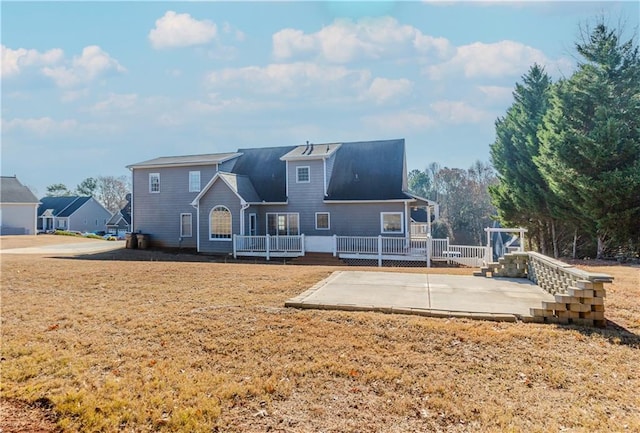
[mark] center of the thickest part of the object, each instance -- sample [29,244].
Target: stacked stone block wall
[579,295]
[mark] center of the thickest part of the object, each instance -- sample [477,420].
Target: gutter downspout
[324,170]
[197,208]
[244,207]
[131,226]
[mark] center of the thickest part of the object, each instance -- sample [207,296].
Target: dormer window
[302,174]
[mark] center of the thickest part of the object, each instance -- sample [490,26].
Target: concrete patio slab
[503,299]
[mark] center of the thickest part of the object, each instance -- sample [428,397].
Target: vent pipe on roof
[311,149]
[304,152]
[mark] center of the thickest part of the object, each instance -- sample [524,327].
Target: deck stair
[317,259]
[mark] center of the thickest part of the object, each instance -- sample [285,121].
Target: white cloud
[294,79]
[181,30]
[458,112]
[91,64]
[383,90]
[499,94]
[504,58]
[13,61]
[116,102]
[403,121]
[344,41]
[39,126]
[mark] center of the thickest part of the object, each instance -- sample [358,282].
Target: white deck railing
[370,247]
[268,246]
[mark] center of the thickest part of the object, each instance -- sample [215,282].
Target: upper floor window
[391,222]
[220,223]
[194,181]
[154,182]
[302,174]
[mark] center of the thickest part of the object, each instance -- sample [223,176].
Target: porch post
[235,239]
[302,243]
[267,243]
[429,242]
[335,245]
[379,251]
[521,240]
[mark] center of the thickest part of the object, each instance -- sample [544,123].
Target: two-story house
[294,198]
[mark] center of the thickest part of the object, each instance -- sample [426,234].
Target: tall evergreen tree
[590,138]
[522,195]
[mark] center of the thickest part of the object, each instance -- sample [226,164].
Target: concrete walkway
[73,248]
[501,299]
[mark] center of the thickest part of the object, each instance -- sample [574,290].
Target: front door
[252,224]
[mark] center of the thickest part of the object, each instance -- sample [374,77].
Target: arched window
[220,223]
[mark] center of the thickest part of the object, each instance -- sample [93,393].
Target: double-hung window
[391,222]
[154,182]
[186,225]
[194,181]
[322,221]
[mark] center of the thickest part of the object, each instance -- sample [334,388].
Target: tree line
[565,163]
[567,153]
[110,191]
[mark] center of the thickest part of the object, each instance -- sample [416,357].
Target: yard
[155,343]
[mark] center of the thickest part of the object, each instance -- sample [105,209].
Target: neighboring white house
[18,208]
[83,214]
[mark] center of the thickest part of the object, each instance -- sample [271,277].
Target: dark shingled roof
[368,170]
[62,206]
[265,170]
[242,186]
[12,191]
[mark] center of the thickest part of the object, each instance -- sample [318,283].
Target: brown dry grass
[178,346]
[8,242]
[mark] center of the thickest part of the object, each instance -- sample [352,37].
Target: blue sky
[90,87]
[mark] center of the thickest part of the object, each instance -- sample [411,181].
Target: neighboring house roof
[371,170]
[117,217]
[61,206]
[12,191]
[206,159]
[266,171]
[311,151]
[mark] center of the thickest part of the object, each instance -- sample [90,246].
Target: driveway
[70,248]
[502,299]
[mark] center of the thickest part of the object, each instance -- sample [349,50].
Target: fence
[380,248]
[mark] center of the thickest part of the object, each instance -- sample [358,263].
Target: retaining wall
[579,295]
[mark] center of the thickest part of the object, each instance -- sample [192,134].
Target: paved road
[504,299]
[73,248]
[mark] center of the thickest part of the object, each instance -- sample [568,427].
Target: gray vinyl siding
[330,163]
[85,217]
[158,214]
[218,195]
[19,219]
[348,219]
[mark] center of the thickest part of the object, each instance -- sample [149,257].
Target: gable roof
[12,191]
[61,206]
[186,160]
[266,171]
[368,170]
[242,186]
[311,151]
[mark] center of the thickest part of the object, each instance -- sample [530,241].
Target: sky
[91,87]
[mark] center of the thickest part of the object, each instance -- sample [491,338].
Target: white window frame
[151,183]
[328,227]
[286,215]
[308,169]
[194,181]
[382,225]
[182,226]
[224,239]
